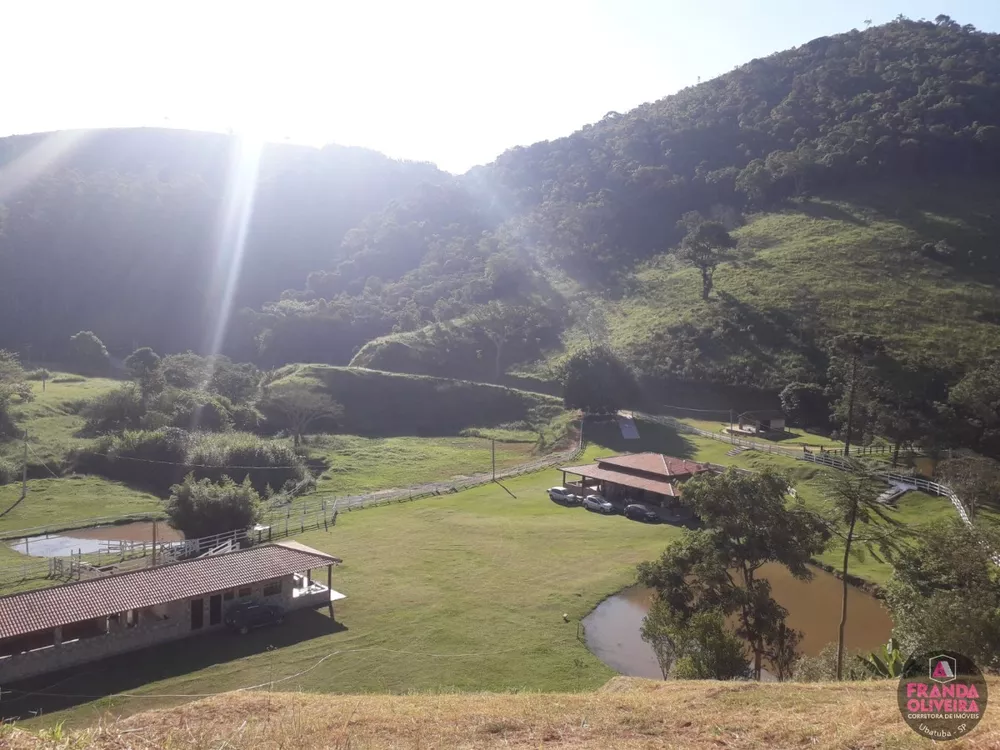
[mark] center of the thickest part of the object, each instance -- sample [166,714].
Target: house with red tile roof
[650,478]
[49,629]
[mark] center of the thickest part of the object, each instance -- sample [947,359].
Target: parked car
[563,495]
[641,512]
[243,617]
[598,503]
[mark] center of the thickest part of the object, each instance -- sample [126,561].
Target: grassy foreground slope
[625,713]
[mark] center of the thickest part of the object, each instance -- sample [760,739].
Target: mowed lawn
[360,464]
[459,592]
[71,501]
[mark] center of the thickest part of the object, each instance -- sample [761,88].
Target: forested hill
[119,230]
[853,157]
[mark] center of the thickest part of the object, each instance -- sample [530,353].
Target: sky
[454,82]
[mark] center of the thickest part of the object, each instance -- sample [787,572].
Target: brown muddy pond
[613,628]
[90,540]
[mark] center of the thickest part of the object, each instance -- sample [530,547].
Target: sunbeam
[38,159]
[231,234]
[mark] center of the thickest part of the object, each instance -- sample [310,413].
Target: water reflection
[813,607]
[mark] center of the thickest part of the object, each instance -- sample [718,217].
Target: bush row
[157,459]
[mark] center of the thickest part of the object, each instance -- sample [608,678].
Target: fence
[279,521]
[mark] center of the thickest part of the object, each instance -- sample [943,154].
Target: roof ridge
[163,566]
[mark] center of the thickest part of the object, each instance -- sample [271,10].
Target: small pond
[94,539]
[613,628]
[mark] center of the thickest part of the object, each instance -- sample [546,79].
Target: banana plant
[886,663]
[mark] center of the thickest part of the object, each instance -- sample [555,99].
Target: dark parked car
[243,617]
[640,512]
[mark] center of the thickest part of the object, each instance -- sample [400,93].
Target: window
[228,596]
[272,588]
[244,592]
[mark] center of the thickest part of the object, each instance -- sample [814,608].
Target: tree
[852,375]
[702,648]
[299,406]
[975,479]
[143,366]
[805,404]
[598,381]
[746,523]
[238,381]
[943,594]
[704,247]
[857,517]
[141,362]
[502,323]
[203,508]
[13,384]
[89,353]
[977,397]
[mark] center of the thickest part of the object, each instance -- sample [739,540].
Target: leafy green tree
[298,406]
[705,246]
[700,648]
[862,523]
[805,404]
[746,523]
[236,381]
[141,362]
[977,397]
[943,594]
[976,480]
[13,384]
[598,381]
[502,323]
[89,353]
[203,508]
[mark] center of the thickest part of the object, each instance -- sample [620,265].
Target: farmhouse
[651,478]
[766,420]
[42,631]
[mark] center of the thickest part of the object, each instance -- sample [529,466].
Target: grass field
[793,437]
[461,592]
[52,419]
[359,464]
[65,503]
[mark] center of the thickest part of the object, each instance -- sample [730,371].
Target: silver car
[598,504]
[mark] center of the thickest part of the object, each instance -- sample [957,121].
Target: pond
[613,628]
[93,539]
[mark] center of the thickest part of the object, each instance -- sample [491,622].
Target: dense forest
[350,255]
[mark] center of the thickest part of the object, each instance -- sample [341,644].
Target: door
[197,613]
[215,610]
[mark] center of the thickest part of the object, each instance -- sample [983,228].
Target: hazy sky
[453,82]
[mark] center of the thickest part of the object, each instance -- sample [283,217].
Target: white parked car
[598,504]
[563,495]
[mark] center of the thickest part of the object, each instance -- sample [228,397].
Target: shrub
[38,374]
[272,463]
[187,370]
[149,458]
[193,410]
[201,507]
[120,409]
[8,472]
[69,379]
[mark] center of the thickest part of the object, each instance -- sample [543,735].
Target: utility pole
[154,544]
[493,446]
[731,426]
[24,468]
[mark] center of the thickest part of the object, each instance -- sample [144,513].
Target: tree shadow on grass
[653,436]
[101,680]
[822,210]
